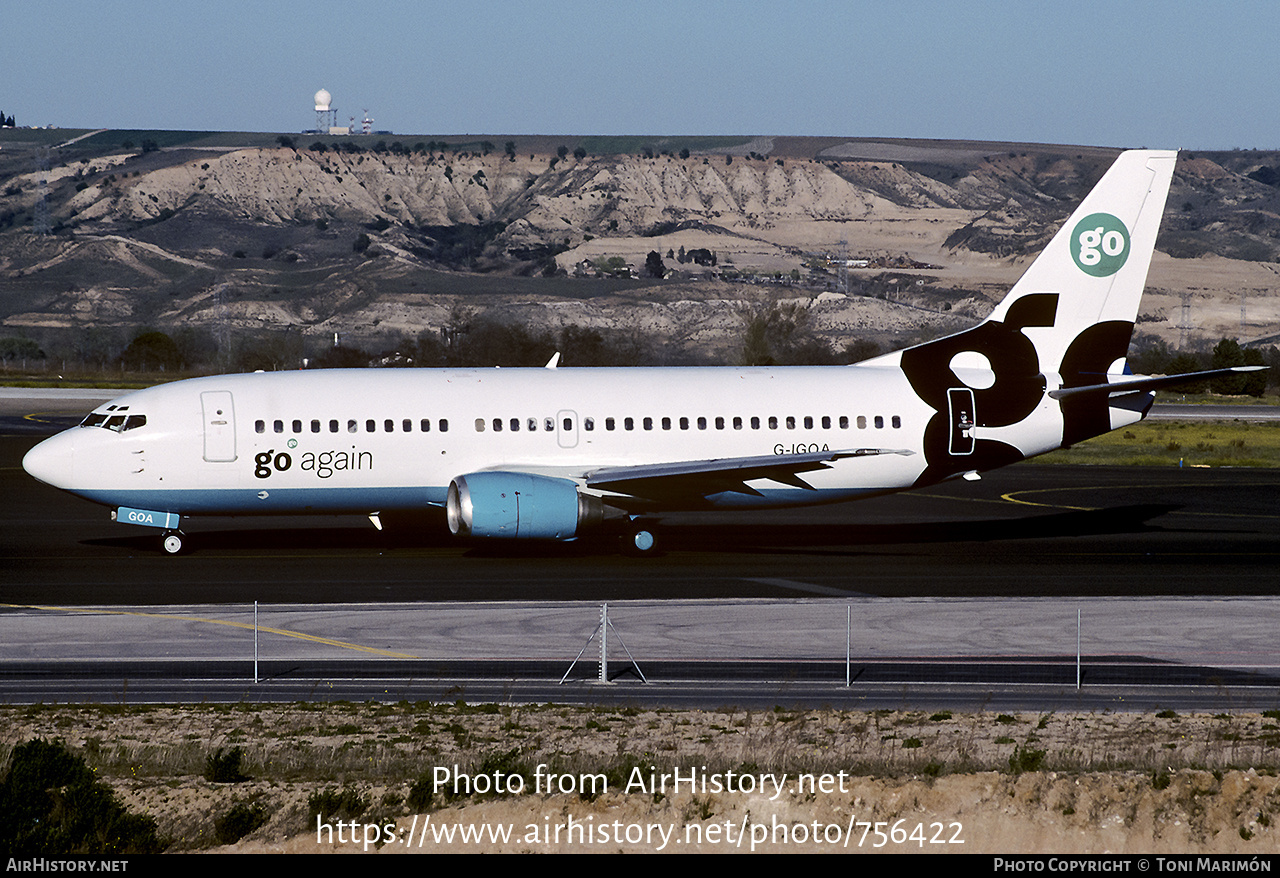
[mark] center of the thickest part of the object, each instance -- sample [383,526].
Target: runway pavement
[1132,653]
[963,591]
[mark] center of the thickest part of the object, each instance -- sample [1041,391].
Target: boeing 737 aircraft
[548,453]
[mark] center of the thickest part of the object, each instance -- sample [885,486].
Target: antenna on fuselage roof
[554,361]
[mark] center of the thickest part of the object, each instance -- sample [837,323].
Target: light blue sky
[1171,74]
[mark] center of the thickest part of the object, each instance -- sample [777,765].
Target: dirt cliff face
[574,198]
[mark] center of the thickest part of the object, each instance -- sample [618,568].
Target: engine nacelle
[519,506]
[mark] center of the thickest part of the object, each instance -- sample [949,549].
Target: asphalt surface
[1026,530]
[951,573]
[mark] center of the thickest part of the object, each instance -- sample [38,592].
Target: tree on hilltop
[653,265]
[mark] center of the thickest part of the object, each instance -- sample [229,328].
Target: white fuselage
[381,439]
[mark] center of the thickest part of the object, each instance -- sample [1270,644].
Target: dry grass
[1173,443]
[155,756]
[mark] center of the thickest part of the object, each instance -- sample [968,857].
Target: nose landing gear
[174,542]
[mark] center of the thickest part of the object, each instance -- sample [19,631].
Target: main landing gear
[640,538]
[174,542]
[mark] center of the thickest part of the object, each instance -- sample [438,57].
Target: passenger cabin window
[879,422]
[333,426]
[259,426]
[297,426]
[608,424]
[425,425]
[315,426]
[278,426]
[896,422]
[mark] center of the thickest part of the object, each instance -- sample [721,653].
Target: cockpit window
[117,423]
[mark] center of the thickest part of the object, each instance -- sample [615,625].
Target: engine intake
[519,506]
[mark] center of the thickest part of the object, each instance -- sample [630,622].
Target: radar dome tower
[326,117]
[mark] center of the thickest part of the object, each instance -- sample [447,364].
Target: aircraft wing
[660,481]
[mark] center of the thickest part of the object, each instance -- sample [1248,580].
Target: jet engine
[519,506]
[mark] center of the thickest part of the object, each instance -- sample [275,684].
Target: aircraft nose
[52,461]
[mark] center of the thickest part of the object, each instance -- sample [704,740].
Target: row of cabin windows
[589,424]
[353,425]
[406,425]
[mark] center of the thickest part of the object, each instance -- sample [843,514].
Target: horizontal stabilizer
[1147,384]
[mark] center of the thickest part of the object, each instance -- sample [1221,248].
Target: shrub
[241,820]
[1026,759]
[50,803]
[421,793]
[331,802]
[225,768]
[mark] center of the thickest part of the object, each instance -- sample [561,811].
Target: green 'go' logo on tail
[1100,244]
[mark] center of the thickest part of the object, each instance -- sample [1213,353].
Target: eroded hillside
[389,240]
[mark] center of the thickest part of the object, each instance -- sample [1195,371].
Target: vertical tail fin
[1096,265]
[1066,323]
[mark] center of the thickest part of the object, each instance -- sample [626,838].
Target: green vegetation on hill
[636,144]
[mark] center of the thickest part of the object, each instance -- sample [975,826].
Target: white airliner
[547,453]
